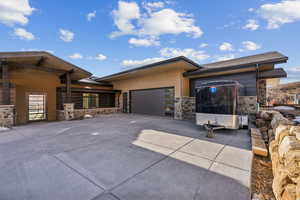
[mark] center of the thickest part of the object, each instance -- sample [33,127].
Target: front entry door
[37,107]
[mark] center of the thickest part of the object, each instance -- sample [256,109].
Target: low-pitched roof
[275,73]
[152,65]
[92,80]
[243,62]
[43,60]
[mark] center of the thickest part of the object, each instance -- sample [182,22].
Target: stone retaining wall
[7,115]
[284,148]
[80,113]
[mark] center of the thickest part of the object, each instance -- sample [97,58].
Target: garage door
[158,101]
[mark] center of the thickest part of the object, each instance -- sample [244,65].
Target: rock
[279,119]
[289,143]
[266,115]
[298,190]
[260,123]
[87,116]
[258,144]
[280,180]
[289,192]
[292,165]
[271,135]
[295,130]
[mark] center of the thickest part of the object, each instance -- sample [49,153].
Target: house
[40,86]
[282,94]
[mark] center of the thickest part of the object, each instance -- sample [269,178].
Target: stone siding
[185,108]
[247,105]
[262,92]
[284,149]
[69,111]
[7,115]
[81,113]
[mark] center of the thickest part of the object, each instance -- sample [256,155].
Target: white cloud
[100,57]
[76,56]
[66,35]
[123,16]
[158,4]
[203,45]
[166,53]
[225,57]
[188,52]
[23,34]
[251,9]
[226,46]
[251,46]
[147,42]
[15,12]
[137,63]
[91,15]
[151,6]
[251,25]
[168,21]
[130,21]
[277,14]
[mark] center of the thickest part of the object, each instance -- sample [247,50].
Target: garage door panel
[150,101]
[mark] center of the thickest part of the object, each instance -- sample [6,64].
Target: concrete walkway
[123,157]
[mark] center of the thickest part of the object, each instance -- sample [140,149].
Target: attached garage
[157,101]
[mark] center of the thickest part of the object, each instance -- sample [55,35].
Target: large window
[87,100]
[90,100]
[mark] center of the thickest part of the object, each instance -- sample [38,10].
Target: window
[86,100]
[90,100]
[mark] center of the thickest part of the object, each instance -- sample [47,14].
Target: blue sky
[108,36]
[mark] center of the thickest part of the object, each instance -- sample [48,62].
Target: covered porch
[35,86]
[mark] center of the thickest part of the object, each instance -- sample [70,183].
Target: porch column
[7,111]
[5,84]
[68,105]
[68,87]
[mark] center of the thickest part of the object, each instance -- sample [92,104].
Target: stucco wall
[171,78]
[33,81]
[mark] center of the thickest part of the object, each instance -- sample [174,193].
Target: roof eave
[248,65]
[176,59]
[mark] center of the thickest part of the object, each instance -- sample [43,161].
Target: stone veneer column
[262,92]
[178,108]
[247,105]
[69,111]
[7,115]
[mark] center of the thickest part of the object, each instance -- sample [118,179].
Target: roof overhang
[275,73]
[165,65]
[240,64]
[44,61]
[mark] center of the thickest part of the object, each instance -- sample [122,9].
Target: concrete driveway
[123,157]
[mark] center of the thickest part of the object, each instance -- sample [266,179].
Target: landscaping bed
[262,178]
